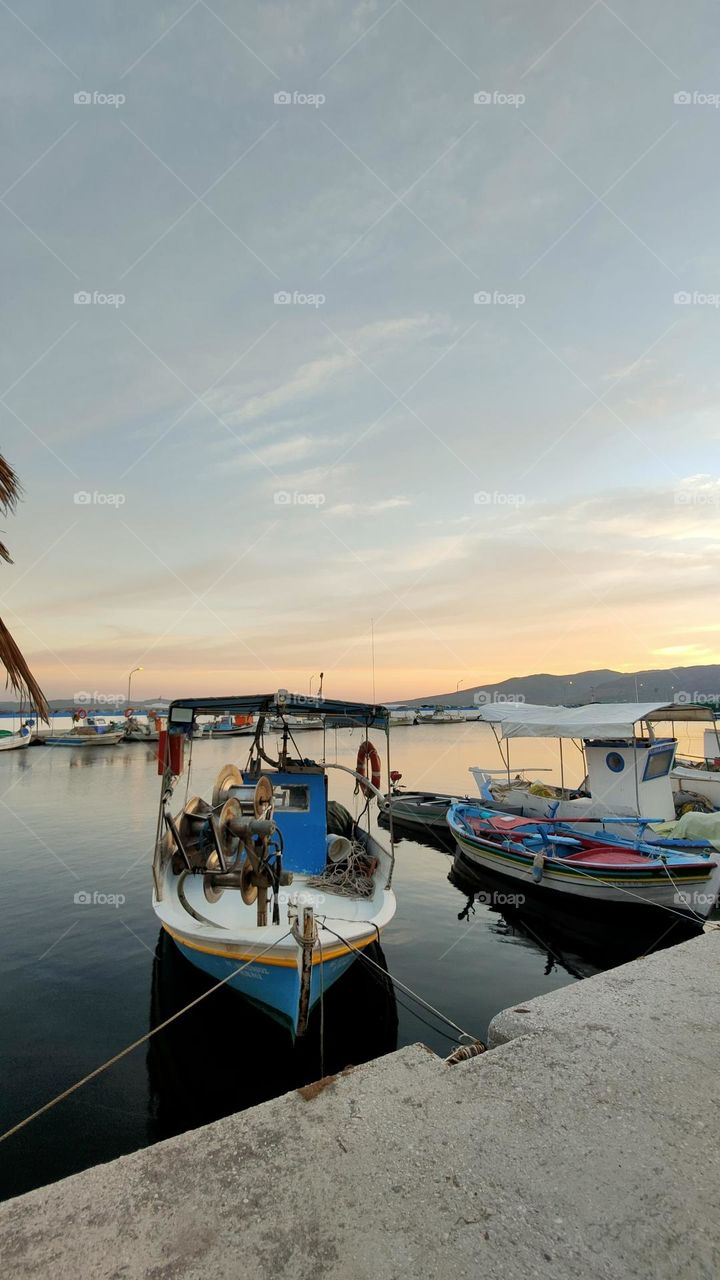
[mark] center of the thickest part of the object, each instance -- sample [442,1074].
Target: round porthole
[614,761]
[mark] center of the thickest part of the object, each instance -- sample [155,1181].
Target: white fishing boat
[10,741]
[90,732]
[701,777]
[308,724]
[402,715]
[445,715]
[628,771]
[267,883]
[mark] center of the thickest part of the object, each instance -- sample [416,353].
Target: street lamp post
[130,676]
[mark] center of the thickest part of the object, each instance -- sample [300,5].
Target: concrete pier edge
[582,1144]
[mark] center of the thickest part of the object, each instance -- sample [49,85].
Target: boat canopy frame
[596,720]
[593,720]
[337,713]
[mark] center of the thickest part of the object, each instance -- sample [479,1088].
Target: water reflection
[225,1055]
[433,837]
[579,937]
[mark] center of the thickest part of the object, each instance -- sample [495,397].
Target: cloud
[283,453]
[368,508]
[315,377]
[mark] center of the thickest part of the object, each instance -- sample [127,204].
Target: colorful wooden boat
[267,884]
[607,868]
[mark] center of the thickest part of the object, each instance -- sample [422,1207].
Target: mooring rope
[136,1043]
[397,983]
[682,896]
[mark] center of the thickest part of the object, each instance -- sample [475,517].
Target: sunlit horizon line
[389,684]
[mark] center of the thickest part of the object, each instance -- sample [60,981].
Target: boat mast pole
[390,814]
[372,650]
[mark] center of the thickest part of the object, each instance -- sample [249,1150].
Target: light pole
[130,676]
[457,686]
[310,684]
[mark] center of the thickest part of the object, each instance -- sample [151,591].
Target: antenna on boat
[372,650]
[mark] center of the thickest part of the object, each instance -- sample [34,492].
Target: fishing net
[351,878]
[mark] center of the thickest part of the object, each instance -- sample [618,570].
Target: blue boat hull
[275,988]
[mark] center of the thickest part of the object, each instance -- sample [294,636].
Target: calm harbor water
[82,979]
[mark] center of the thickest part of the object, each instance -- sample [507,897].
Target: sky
[327,317]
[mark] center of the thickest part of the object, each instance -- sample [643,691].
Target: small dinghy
[422,809]
[15,741]
[608,868]
[267,883]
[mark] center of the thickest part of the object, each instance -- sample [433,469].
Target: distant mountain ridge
[667,684]
[683,684]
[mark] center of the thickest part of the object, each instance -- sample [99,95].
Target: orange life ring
[368,752]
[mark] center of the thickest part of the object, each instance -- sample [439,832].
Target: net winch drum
[254,798]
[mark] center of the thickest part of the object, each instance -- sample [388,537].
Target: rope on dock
[136,1043]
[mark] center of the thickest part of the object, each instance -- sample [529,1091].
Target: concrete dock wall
[583,1145]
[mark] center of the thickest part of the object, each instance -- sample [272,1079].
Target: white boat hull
[223,936]
[85,740]
[16,742]
[704,782]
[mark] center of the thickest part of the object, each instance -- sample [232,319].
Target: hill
[668,684]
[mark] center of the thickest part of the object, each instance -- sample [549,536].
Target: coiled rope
[347,879]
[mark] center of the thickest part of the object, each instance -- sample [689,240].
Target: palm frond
[19,675]
[10,487]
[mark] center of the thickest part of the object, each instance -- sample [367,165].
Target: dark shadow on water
[578,936]
[225,1055]
[416,833]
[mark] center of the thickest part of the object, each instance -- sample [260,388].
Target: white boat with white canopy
[628,770]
